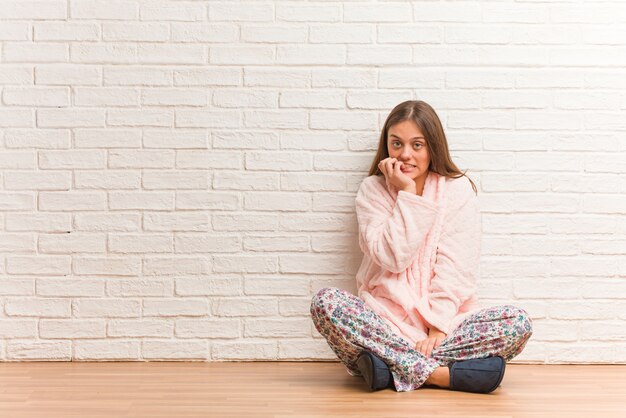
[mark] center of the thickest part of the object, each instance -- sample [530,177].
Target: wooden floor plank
[293,389]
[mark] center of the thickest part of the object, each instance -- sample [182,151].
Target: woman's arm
[457,265]
[391,232]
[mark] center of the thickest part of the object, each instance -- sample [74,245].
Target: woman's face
[407,143]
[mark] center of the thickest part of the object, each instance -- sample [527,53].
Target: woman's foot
[440,377]
[375,371]
[477,375]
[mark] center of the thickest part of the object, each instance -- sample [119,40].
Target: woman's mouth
[407,167]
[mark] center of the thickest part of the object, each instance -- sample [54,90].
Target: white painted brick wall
[178,177]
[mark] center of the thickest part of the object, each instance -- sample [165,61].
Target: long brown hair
[428,122]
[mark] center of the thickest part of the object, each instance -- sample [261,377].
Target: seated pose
[416,320]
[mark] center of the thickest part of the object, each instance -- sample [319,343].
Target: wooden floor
[293,389]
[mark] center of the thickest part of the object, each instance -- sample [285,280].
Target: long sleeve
[390,232]
[457,264]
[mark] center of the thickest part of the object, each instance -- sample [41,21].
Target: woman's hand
[426,346]
[390,167]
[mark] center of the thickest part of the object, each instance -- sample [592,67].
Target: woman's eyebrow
[415,137]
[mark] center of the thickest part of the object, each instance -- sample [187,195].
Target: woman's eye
[395,144]
[417,145]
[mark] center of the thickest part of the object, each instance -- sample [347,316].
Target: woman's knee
[522,319]
[319,300]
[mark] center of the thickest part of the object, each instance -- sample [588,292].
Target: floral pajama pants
[350,326]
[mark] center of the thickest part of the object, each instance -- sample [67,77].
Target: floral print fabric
[350,326]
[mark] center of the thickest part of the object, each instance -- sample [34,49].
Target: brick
[276,243]
[100,9]
[245,98]
[36,96]
[187,349]
[141,200]
[16,74]
[106,350]
[345,77]
[143,117]
[35,52]
[224,285]
[67,75]
[252,55]
[140,243]
[277,285]
[37,138]
[177,180]
[283,119]
[71,328]
[175,307]
[17,287]
[304,350]
[244,350]
[283,327]
[41,264]
[109,222]
[312,182]
[109,179]
[245,222]
[136,76]
[208,118]
[105,307]
[103,53]
[70,287]
[39,350]
[140,328]
[373,55]
[206,243]
[293,78]
[173,12]
[72,243]
[203,32]
[107,96]
[106,266]
[17,118]
[148,32]
[49,31]
[51,308]
[156,266]
[410,78]
[389,12]
[244,140]
[308,12]
[208,159]
[70,118]
[37,180]
[245,264]
[208,328]
[185,221]
[15,31]
[328,120]
[139,287]
[317,222]
[18,328]
[174,139]
[284,161]
[17,201]
[277,201]
[219,76]
[174,97]
[207,200]
[72,200]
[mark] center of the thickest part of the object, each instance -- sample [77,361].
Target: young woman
[416,320]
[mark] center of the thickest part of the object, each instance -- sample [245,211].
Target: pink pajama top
[421,254]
